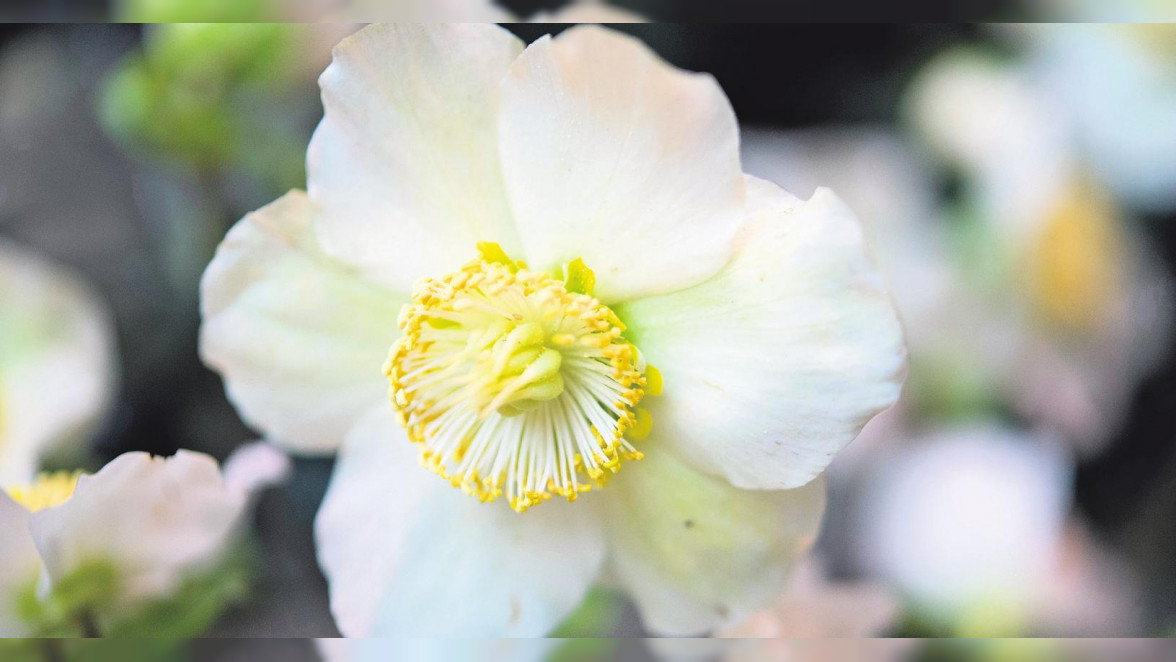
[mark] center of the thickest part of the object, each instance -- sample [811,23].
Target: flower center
[48,490]
[517,382]
[1076,261]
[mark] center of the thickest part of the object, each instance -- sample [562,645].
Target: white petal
[696,553]
[257,466]
[405,161]
[158,520]
[774,365]
[612,155]
[300,339]
[406,555]
[58,365]
[20,563]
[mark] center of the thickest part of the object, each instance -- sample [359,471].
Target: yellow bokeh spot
[1075,264]
[47,491]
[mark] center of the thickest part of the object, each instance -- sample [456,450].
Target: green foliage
[69,609]
[194,607]
[86,603]
[597,616]
[210,97]
[191,11]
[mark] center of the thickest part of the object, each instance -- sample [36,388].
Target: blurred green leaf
[195,606]
[189,11]
[597,616]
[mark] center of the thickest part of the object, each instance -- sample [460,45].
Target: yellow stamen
[517,383]
[48,490]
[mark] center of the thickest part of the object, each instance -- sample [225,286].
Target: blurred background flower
[1017,189]
[58,365]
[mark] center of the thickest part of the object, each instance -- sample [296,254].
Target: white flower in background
[57,363]
[624,236]
[782,649]
[1042,247]
[146,525]
[970,523]
[449,649]
[1117,83]
[815,607]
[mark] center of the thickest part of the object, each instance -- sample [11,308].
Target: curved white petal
[696,553]
[20,564]
[58,365]
[775,364]
[611,155]
[405,162]
[300,339]
[406,555]
[158,520]
[256,466]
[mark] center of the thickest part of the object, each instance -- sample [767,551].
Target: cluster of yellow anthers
[518,382]
[48,490]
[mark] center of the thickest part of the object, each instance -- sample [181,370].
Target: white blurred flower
[153,522]
[815,607]
[617,178]
[57,362]
[1117,84]
[1078,303]
[441,649]
[966,518]
[970,523]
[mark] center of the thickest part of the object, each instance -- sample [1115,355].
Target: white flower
[972,523]
[1117,84]
[1073,295]
[450,649]
[815,607]
[154,522]
[57,362]
[966,522]
[616,178]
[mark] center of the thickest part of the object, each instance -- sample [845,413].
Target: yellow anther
[653,380]
[642,426]
[580,278]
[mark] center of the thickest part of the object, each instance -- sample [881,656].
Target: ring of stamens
[514,384]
